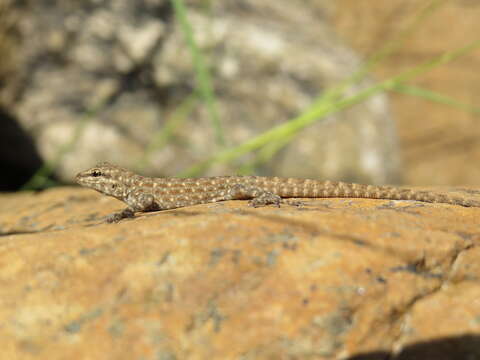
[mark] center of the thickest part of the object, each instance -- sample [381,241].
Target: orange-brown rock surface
[332,279]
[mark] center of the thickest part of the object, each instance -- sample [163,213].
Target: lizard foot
[295,203]
[266,198]
[116,217]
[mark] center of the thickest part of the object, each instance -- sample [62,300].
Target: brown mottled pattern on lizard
[150,194]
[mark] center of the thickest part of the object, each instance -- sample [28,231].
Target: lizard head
[106,178]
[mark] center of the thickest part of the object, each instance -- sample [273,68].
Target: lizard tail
[329,189]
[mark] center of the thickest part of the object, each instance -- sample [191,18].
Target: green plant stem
[202,74]
[322,109]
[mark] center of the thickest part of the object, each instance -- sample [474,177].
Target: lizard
[143,194]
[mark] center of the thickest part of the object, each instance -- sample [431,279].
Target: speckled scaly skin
[151,194]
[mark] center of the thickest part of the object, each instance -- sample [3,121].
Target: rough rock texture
[333,279]
[125,64]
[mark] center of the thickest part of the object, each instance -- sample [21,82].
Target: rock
[331,279]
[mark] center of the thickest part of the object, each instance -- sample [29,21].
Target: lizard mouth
[80,178]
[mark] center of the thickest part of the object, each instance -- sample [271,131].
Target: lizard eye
[96,173]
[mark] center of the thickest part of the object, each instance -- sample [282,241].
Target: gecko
[142,193]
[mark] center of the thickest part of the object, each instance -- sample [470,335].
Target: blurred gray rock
[127,64]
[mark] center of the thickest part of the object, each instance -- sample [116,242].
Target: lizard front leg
[137,202]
